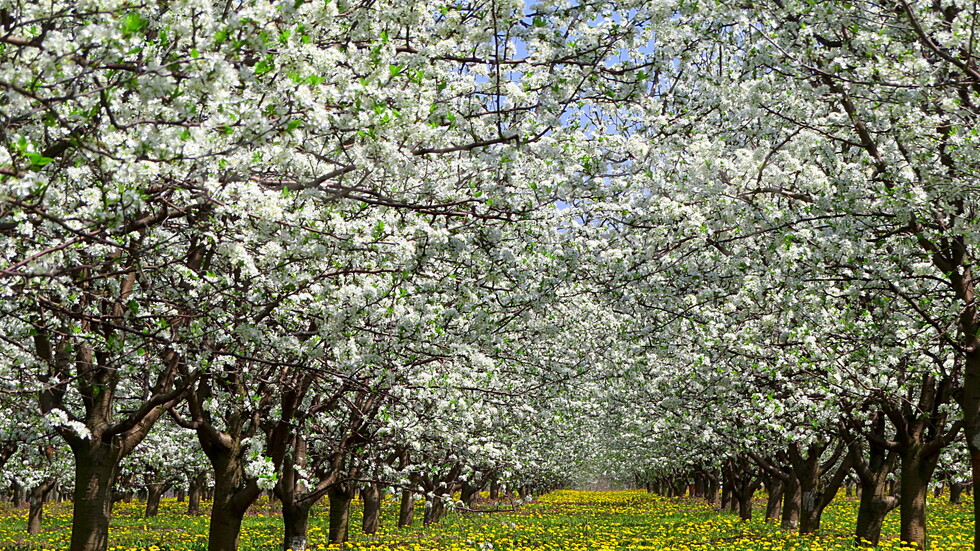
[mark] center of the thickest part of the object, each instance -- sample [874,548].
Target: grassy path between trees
[564,520]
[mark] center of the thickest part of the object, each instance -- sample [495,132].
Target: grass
[564,520]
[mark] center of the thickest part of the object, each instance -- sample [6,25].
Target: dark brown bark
[296,521]
[468,494]
[406,511]
[153,494]
[917,468]
[96,467]
[969,398]
[36,498]
[792,498]
[371,496]
[194,494]
[817,485]
[233,492]
[774,490]
[873,468]
[434,510]
[494,488]
[956,492]
[340,497]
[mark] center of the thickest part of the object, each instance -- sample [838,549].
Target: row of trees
[350,245]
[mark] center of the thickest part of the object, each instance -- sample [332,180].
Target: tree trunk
[36,498]
[434,510]
[915,475]
[468,494]
[96,467]
[875,505]
[406,512]
[340,497]
[712,490]
[774,488]
[727,500]
[956,492]
[20,495]
[153,495]
[873,469]
[494,489]
[233,494]
[816,492]
[969,402]
[296,521]
[792,496]
[371,496]
[194,494]
[745,505]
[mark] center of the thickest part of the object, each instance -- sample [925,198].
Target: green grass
[566,521]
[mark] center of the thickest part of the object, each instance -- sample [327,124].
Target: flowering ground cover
[563,520]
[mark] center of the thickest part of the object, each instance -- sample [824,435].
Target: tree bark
[194,494]
[433,511]
[36,498]
[340,496]
[468,494]
[916,472]
[774,488]
[96,467]
[406,511]
[969,398]
[153,495]
[873,471]
[233,494]
[371,496]
[956,492]
[816,493]
[296,521]
[792,498]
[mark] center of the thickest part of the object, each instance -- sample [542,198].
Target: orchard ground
[562,520]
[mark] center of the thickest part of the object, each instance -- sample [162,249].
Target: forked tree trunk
[340,497]
[406,510]
[873,472]
[371,496]
[816,492]
[233,494]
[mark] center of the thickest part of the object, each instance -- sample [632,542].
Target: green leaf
[132,23]
[395,70]
[38,160]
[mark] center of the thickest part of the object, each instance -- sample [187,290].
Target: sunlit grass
[564,520]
